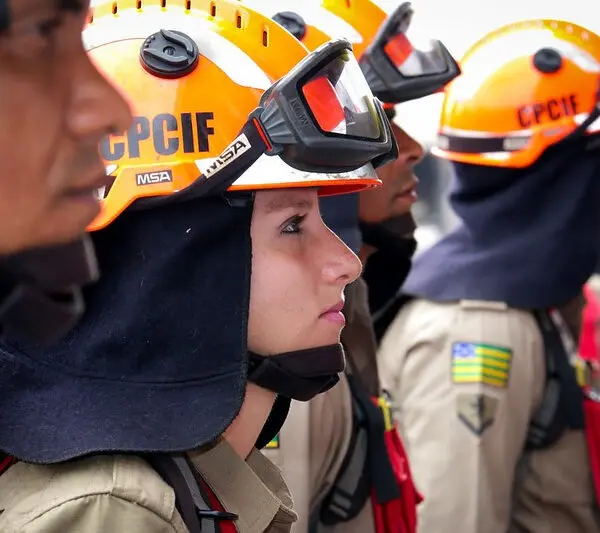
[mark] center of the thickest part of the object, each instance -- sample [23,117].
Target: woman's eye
[294,225]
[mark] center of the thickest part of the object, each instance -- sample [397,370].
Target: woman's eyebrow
[288,201]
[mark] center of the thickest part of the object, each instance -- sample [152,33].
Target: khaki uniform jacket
[123,494]
[466,378]
[315,438]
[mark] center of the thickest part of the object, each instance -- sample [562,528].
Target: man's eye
[46,27]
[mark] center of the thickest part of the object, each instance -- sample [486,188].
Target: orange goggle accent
[398,48]
[324,103]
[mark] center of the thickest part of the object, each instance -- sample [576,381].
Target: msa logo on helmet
[553,109]
[150,178]
[238,147]
[163,134]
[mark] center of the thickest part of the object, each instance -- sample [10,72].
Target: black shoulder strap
[383,318]
[365,468]
[352,485]
[190,497]
[562,405]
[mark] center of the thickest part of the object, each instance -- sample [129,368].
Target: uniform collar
[253,489]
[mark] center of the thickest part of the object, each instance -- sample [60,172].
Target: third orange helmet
[523,88]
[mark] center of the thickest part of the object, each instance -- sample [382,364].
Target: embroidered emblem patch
[476,411]
[274,444]
[481,363]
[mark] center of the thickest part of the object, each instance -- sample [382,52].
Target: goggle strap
[581,130]
[391,26]
[226,168]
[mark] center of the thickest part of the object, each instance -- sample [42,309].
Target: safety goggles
[320,118]
[401,65]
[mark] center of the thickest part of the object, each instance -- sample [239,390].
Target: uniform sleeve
[100,513]
[466,379]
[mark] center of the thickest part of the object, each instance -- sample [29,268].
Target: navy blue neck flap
[158,361]
[527,237]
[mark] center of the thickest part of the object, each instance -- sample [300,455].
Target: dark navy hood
[527,237]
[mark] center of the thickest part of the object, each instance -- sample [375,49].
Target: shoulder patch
[476,411]
[481,363]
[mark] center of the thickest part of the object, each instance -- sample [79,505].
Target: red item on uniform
[588,351]
[6,461]
[225,526]
[591,410]
[399,515]
[588,348]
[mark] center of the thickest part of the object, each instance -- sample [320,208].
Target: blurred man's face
[55,108]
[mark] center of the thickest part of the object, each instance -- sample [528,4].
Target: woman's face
[299,271]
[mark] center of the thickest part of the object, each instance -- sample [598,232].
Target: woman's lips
[334,314]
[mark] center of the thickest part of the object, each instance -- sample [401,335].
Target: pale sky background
[459,23]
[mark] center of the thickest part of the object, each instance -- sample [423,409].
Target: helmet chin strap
[299,375]
[275,422]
